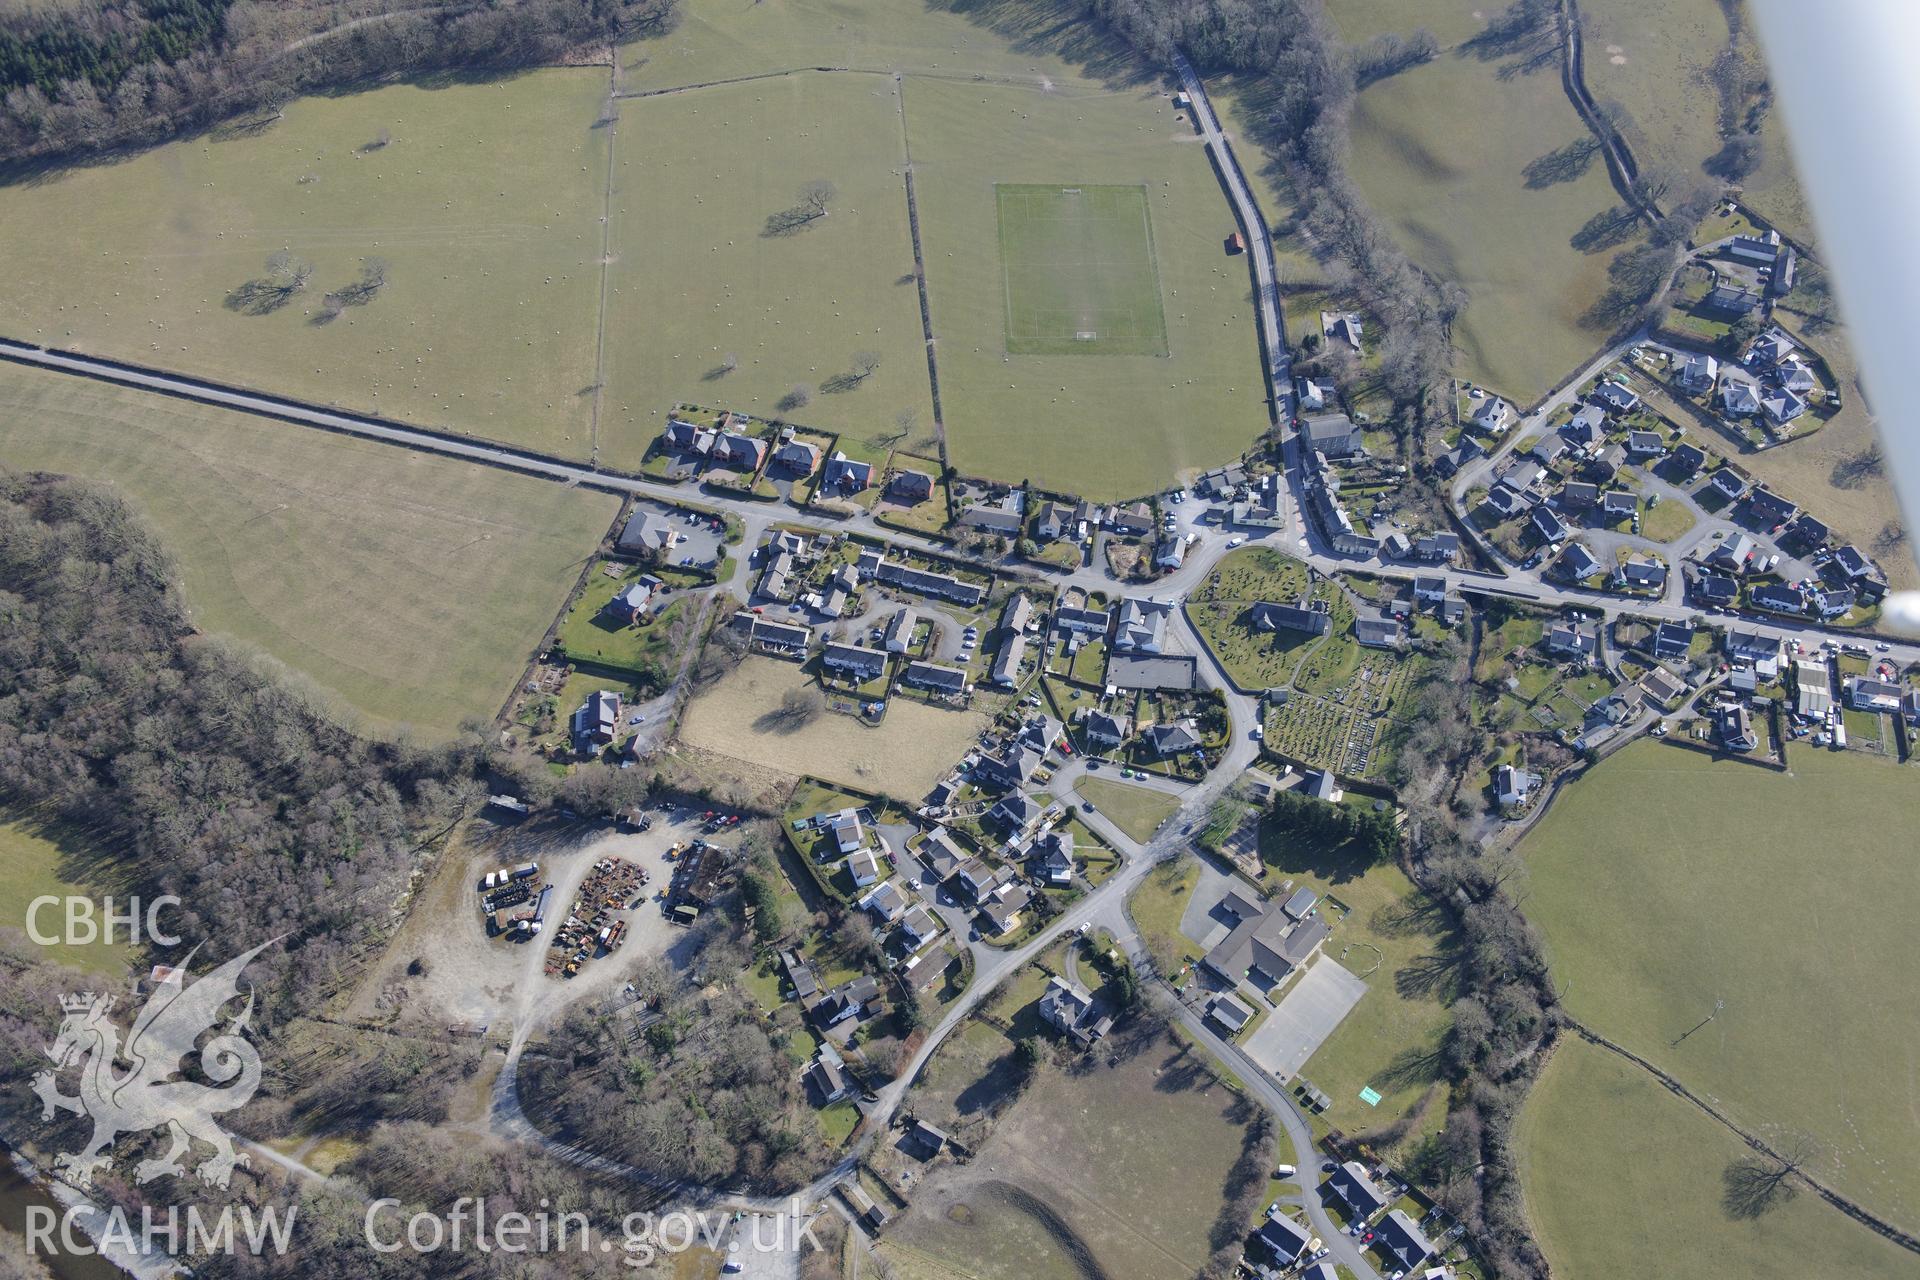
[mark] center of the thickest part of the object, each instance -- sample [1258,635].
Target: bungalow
[1867,694]
[647,533]
[1459,456]
[846,475]
[1513,786]
[1781,406]
[631,601]
[1016,813]
[1522,476]
[779,637]
[856,662]
[1731,298]
[1399,1235]
[1105,729]
[1735,727]
[935,678]
[918,927]
[864,868]
[1342,326]
[1577,563]
[1643,575]
[848,830]
[828,1080]
[1728,483]
[1506,502]
[773,578]
[1571,642]
[806,984]
[1586,426]
[684,437]
[1054,521]
[1642,445]
[1131,522]
[1779,597]
[849,999]
[1618,504]
[1672,641]
[1549,527]
[1006,662]
[1141,625]
[1733,553]
[1332,434]
[1173,738]
[743,453]
[1356,1190]
[899,633]
[1578,495]
[1493,415]
[1436,547]
[910,486]
[886,902]
[1697,373]
[1000,914]
[797,456]
[992,519]
[1796,375]
[1170,552]
[1053,856]
[1086,622]
[1309,617]
[1739,398]
[1615,396]
[1810,532]
[1661,686]
[1550,448]
[1756,250]
[1685,462]
[1377,633]
[1229,1012]
[1282,1236]
[939,854]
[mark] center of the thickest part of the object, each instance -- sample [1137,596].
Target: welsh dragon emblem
[146,1092]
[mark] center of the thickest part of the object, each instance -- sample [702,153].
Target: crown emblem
[77,1004]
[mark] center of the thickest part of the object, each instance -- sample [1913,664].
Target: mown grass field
[1138,811]
[485,204]
[1440,151]
[37,861]
[408,588]
[1623,1178]
[1079,271]
[1109,426]
[696,278]
[1666,881]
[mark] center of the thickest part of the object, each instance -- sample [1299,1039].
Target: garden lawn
[485,204]
[589,636]
[1103,426]
[1439,152]
[696,278]
[407,587]
[1618,1171]
[1138,811]
[1788,897]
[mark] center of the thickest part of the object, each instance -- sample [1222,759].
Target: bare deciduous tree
[815,202]
[1756,1184]
[286,275]
[799,396]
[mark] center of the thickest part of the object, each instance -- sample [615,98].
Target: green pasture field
[1624,1178]
[406,587]
[695,278]
[1451,20]
[1079,271]
[1666,880]
[1036,41]
[1440,153]
[485,205]
[37,861]
[1122,425]
[1651,57]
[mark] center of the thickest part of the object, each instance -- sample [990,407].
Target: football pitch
[1079,271]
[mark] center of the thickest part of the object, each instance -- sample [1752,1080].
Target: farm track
[1622,168]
